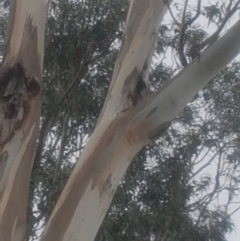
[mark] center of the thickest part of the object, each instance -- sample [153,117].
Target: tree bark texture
[20,104]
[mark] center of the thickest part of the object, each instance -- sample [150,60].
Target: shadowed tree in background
[161,197]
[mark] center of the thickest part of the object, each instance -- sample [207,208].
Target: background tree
[161,196]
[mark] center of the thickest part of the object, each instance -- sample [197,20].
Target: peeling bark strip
[16,90]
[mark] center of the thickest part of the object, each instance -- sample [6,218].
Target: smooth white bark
[144,18]
[25,11]
[19,112]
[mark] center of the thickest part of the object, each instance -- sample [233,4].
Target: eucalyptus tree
[130,119]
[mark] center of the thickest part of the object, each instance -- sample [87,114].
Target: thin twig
[204,166]
[171,13]
[184,12]
[230,214]
[182,33]
[216,187]
[195,50]
[62,146]
[207,152]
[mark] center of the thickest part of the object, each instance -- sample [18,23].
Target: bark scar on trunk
[16,91]
[159,130]
[134,87]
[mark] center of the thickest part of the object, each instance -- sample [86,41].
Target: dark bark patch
[145,66]
[134,87]
[3,162]
[16,91]
[159,130]
[151,112]
[107,184]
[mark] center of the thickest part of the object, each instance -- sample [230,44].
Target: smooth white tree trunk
[20,104]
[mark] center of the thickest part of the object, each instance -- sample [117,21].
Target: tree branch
[182,33]
[62,147]
[195,50]
[171,13]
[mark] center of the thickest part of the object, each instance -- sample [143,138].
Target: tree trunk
[130,120]
[20,102]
